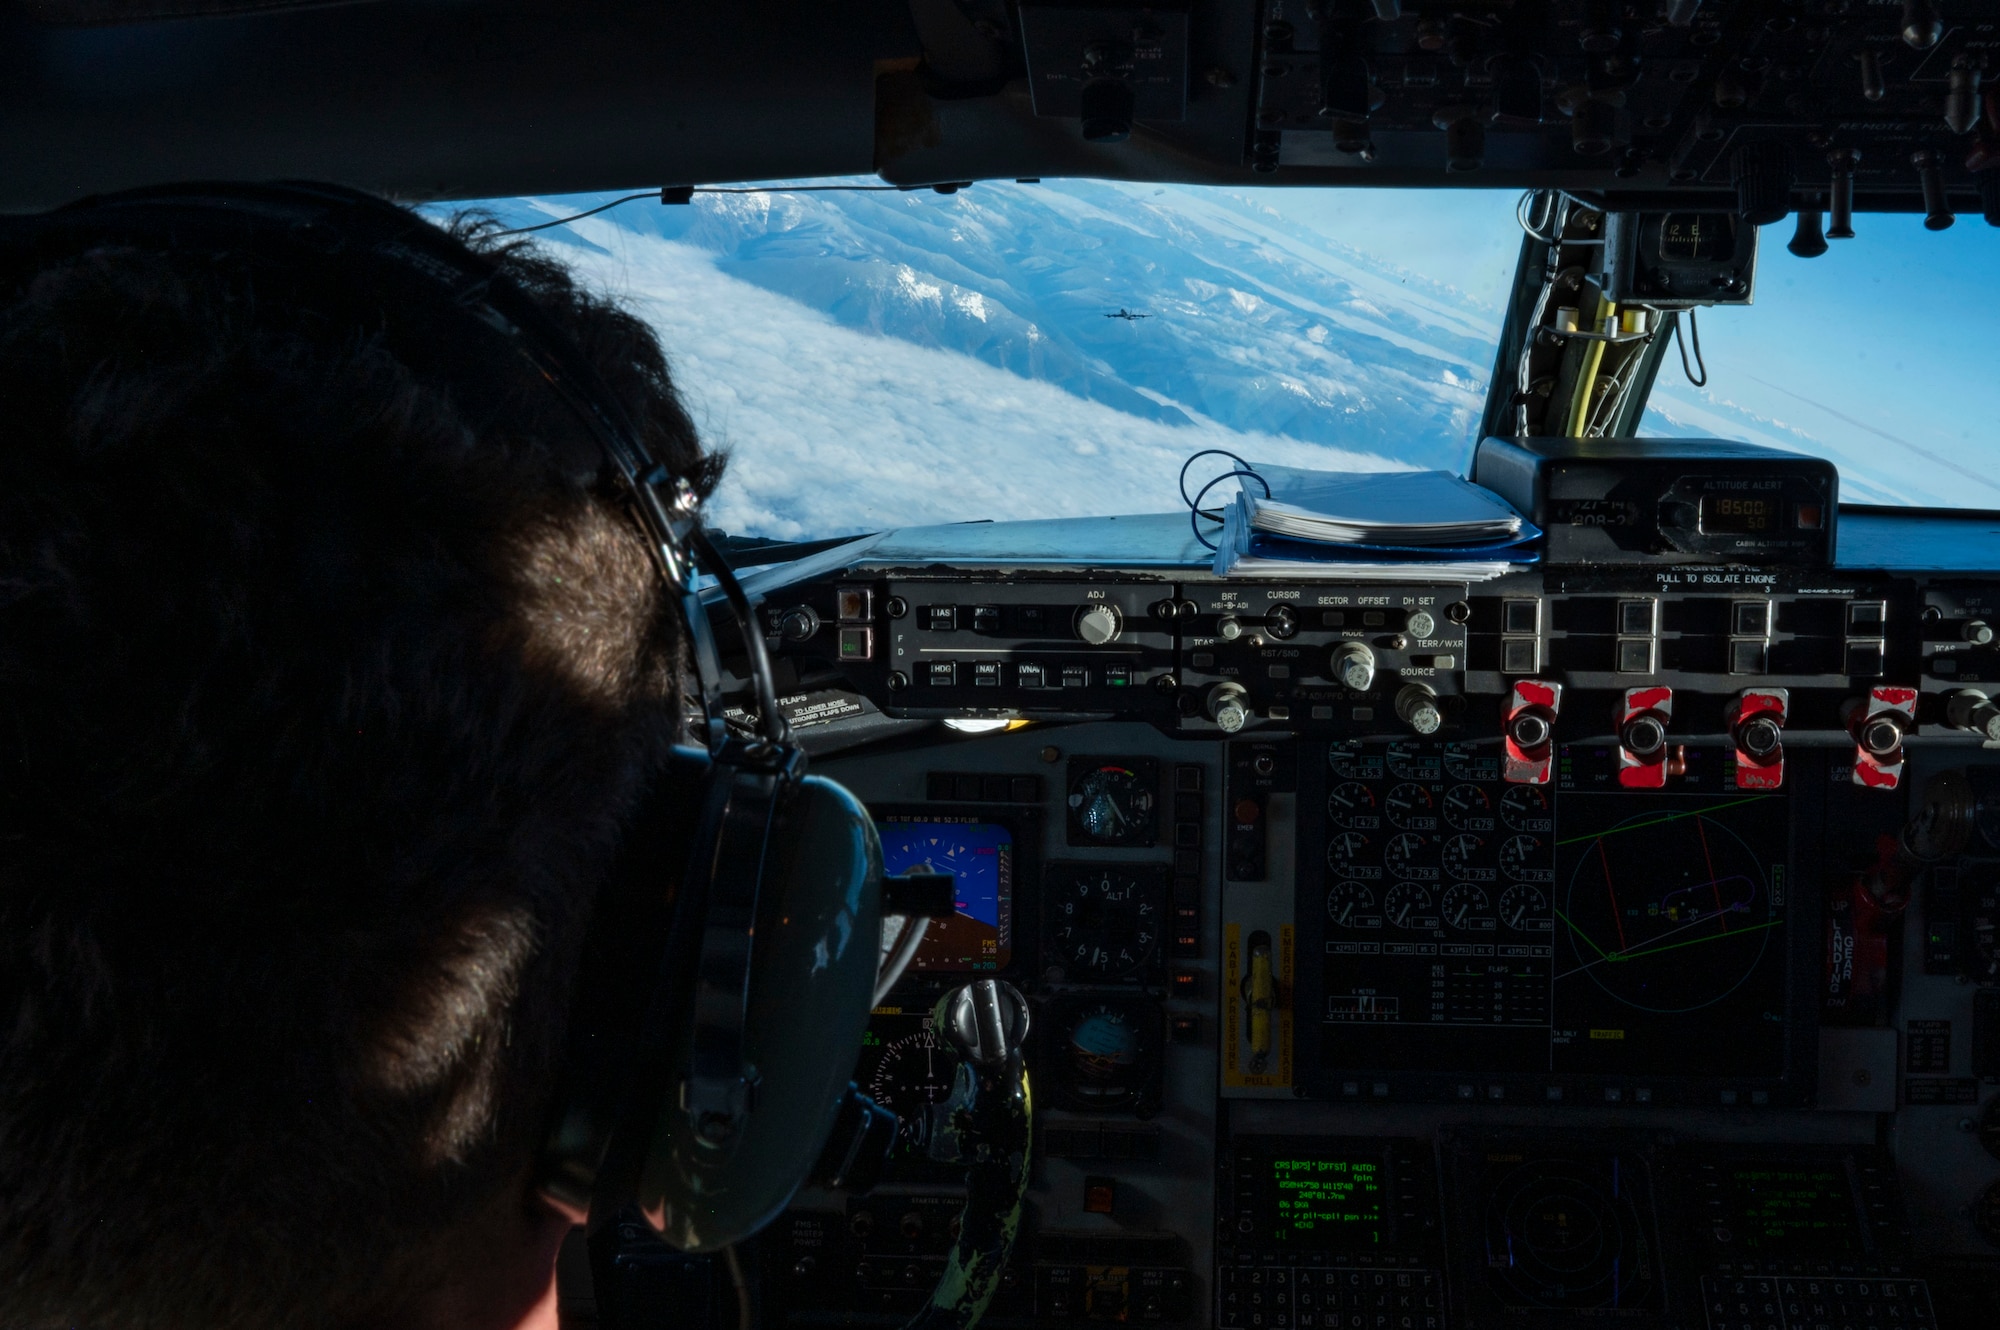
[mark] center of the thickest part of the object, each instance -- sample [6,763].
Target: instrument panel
[1585,947]
[1472,938]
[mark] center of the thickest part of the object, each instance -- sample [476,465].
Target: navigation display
[1602,941]
[980,856]
[1670,954]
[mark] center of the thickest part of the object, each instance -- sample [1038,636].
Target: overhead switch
[1762,174]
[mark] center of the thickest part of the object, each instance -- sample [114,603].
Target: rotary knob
[1970,709]
[1099,624]
[1228,706]
[1417,707]
[1353,666]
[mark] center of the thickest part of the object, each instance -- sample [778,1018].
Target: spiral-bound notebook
[1372,526]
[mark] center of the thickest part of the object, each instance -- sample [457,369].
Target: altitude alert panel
[1466,939]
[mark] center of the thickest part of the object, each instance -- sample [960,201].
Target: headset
[733,958]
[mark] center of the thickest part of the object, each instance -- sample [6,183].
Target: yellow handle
[1263,996]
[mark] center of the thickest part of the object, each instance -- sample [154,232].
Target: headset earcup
[633,950]
[813,972]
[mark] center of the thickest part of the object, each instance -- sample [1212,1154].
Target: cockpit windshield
[873,357]
[1878,355]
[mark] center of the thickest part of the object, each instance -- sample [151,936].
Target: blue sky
[879,359]
[1887,344]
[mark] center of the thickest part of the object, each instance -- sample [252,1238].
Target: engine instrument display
[1590,937]
[980,857]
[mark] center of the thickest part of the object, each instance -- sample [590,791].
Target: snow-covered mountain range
[880,358]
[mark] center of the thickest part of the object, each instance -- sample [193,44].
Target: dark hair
[324,685]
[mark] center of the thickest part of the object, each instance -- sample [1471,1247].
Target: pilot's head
[325,680]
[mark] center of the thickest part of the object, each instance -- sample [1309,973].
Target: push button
[1521,616]
[854,604]
[1751,618]
[1635,655]
[1635,618]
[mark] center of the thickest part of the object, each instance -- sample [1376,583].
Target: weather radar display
[979,856]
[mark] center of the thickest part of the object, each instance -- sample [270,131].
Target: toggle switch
[1757,726]
[1878,726]
[1642,737]
[1961,104]
[1529,731]
[1930,175]
[1873,87]
[1922,24]
[1808,240]
[1840,199]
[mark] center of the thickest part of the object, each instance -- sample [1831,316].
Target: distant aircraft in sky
[1126,315]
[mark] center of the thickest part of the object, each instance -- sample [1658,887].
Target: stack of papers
[1372,526]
